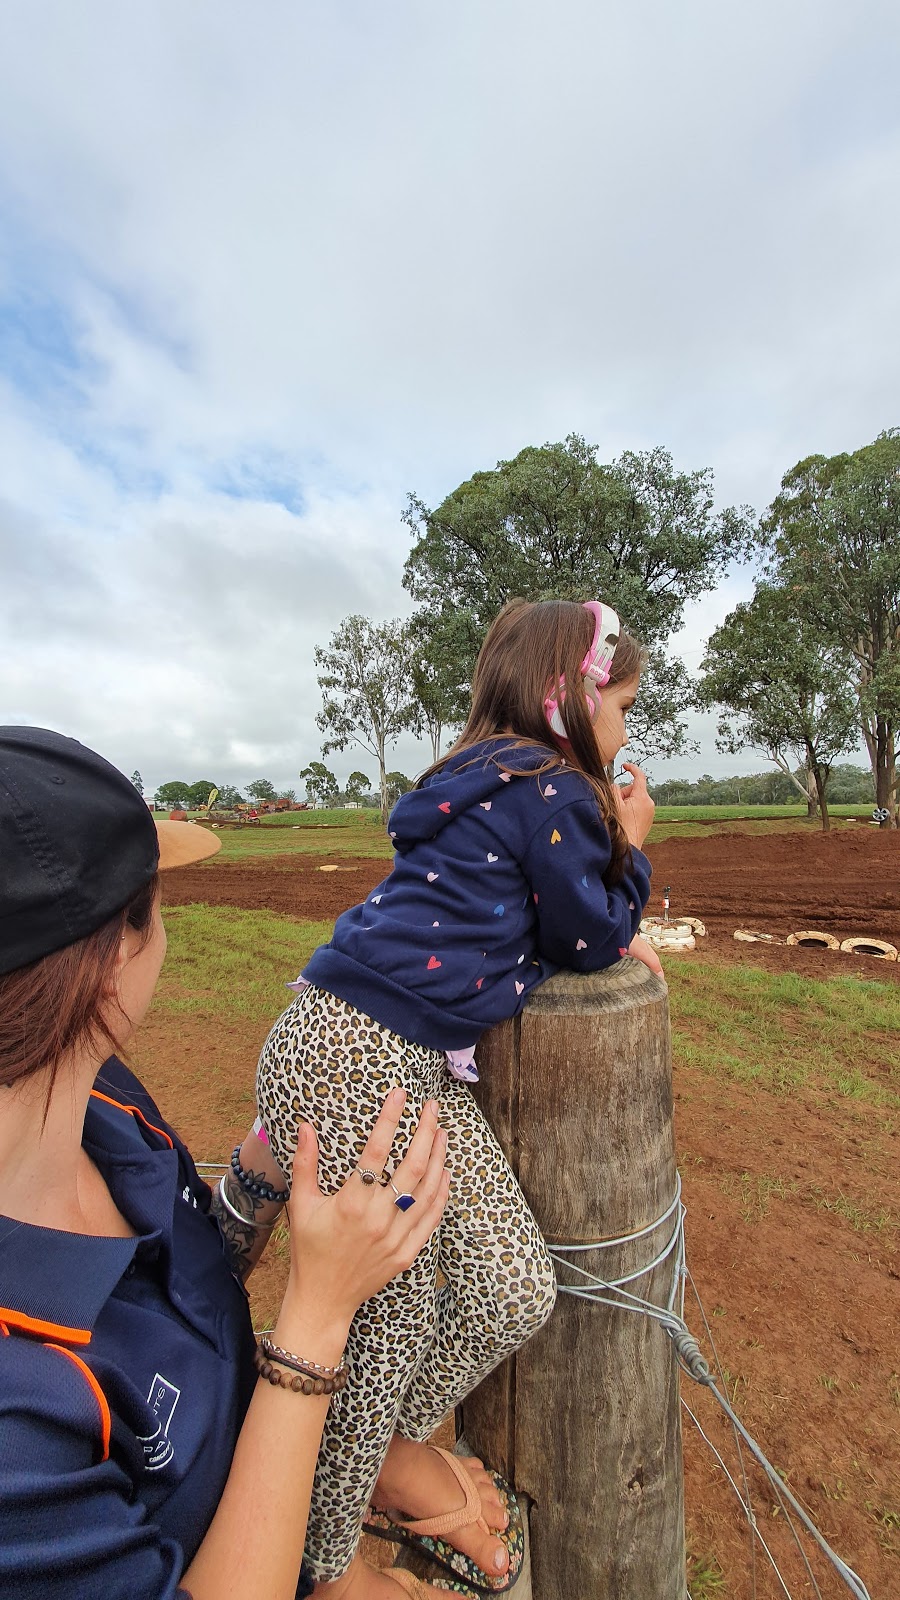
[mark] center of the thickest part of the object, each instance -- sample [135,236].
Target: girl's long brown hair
[529,647]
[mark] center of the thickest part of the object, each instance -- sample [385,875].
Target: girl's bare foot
[415,1482]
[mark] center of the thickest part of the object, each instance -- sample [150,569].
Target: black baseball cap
[77,843]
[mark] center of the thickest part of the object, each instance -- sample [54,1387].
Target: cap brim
[180,843]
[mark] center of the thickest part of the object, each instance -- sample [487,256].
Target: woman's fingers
[377,1147]
[422,1220]
[305,1174]
[410,1171]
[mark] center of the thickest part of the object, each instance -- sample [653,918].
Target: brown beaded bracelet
[299,1381]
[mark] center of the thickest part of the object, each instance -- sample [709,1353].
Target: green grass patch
[785,1030]
[862,810]
[234,963]
[354,838]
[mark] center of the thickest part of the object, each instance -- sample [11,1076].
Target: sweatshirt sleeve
[70,1526]
[582,924]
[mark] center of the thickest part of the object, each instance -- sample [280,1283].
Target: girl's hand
[635,806]
[346,1247]
[641,950]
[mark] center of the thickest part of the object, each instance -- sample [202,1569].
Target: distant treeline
[847,785]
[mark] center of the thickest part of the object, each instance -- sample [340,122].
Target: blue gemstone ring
[403,1201]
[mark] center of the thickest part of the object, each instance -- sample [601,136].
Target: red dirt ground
[845,883]
[798,1276]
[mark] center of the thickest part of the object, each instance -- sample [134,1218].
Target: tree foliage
[321,784]
[847,784]
[175,793]
[229,797]
[138,781]
[832,538]
[397,783]
[439,647]
[261,789]
[356,786]
[365,682]
[556,523]
[199,792]
[781,689]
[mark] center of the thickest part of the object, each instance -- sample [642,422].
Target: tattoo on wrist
[244,1235]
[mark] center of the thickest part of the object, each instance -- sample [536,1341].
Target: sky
[265,270]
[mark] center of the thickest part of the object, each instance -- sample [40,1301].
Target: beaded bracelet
[256,1186]
[299,1382]
[275,1353]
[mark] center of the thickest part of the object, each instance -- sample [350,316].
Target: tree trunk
[885,771]
[382,786]
[811,787]
[821,782]
[585,1419]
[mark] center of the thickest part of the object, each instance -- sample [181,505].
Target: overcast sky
[265,269]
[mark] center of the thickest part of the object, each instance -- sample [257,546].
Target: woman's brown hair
[529,647]
[59,1003]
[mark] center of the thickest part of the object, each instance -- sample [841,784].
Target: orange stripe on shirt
[99,1396]
[19,1319]
[136,1112]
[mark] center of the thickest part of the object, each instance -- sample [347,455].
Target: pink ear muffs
[594,669]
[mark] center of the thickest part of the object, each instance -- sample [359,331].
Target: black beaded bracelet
[256,1186]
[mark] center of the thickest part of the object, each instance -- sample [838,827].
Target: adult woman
[138,1454]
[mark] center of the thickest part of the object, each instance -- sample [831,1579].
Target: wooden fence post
[585,1419]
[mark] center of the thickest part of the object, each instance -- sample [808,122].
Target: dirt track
[846,883]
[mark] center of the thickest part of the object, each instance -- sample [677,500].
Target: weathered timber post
[585,1419]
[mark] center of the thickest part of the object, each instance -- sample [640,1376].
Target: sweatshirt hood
[466,780]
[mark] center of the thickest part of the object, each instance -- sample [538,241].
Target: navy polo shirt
[126,1367]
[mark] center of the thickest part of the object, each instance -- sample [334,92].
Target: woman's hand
[640,949]
[634,804]
[346,1247]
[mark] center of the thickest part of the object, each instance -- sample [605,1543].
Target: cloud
[261,281]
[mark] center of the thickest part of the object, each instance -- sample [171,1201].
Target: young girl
[515,856]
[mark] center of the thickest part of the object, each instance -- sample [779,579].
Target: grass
[356,837]
[233,962]
[796,813]
[781,1031]
[705,1578]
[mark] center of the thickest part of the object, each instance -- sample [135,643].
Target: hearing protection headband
[594,669]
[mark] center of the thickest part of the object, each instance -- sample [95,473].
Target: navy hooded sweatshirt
[498,882]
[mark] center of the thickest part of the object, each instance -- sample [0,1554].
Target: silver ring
[403,1201]
[369,1177]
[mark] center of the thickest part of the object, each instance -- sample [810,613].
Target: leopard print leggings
[414,1350]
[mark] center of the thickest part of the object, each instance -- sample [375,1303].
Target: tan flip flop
[419,1591]
[426,1534]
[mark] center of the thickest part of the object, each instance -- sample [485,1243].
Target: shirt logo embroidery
[162,1400]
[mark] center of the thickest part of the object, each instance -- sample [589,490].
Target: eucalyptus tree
[321,784]
[780,689]
[555,522]
[356,786]
[441,645]
[365,682]
[832,537]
